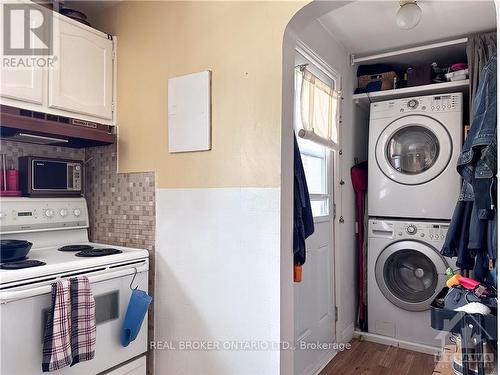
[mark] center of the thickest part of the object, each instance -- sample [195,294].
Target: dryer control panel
[400,229]
[421,104]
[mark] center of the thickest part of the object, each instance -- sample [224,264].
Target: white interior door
[314,310]
[82,80]
[314,303]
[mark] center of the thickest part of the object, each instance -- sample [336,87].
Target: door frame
[332,164]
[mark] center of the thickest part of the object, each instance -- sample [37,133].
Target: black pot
[11,250]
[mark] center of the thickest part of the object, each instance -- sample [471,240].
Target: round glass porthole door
[413,150]
[409,274]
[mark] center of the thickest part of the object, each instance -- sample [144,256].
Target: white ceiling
[370,26]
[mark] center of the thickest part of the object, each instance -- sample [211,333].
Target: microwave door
[49,176]
[23,313]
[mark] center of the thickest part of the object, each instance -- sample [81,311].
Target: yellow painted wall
[241,43]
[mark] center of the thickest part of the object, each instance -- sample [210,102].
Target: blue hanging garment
[136,311]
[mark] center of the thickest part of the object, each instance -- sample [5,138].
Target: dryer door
[410,274]
[413,150]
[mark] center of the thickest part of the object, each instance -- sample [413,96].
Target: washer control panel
[443,103]
[28,214]
[399,229]
[420,104]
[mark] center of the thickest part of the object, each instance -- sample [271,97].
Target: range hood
[36,127]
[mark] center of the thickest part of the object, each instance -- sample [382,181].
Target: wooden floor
[368,358]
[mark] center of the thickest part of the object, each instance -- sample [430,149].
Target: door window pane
[314,169]
[320,207]
[413,150]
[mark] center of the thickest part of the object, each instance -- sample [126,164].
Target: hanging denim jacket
[478,160]
[471,222]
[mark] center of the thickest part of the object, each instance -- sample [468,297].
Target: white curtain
[319,105]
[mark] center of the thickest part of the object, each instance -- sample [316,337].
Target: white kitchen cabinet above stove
[80,84]
[82,81]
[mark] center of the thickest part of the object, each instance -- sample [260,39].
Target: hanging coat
[470,233]
[303,223]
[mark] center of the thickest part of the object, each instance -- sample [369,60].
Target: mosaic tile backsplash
[122,210]
[121,205]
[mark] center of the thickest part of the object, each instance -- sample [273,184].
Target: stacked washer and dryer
[412,191]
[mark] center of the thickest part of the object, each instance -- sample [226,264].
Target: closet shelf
[365,99]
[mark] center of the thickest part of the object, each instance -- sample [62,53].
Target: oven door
[24,310]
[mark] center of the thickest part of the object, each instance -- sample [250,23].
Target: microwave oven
[49,177]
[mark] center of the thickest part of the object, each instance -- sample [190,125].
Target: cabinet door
[20,83]
[82,80]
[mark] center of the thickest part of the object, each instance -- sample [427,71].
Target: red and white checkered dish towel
[57,338]
[70,333]
[83,331]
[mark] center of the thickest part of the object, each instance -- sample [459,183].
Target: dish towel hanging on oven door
[70,332]
[57,338]
[83,330]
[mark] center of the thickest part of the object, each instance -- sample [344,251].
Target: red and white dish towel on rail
[70,333]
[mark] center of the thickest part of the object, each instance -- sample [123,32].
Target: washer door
[410,274]
[413,150]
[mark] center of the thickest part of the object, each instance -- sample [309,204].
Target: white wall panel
[218,278]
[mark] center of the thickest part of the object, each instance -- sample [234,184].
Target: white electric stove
[51,224]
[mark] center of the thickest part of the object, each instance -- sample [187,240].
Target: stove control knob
[2,215]
[77,212]
[412,229]
[49,213]
[63,212]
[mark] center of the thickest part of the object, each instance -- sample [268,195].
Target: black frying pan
[11,250]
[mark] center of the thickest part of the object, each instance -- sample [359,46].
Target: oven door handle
[10,296]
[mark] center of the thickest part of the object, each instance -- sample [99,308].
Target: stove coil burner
[98,252]
[19,264]
[75,248]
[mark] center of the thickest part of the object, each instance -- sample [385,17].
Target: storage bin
[386,79]
[421,75]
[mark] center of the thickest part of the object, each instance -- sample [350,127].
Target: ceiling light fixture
[408,15]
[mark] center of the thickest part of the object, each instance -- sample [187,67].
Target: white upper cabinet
[20,83]
[82,79]
[78,83]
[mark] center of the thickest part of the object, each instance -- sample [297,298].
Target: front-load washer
[405,273]
[414,144]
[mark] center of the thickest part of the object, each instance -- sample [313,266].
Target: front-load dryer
[405,273]
[414,144]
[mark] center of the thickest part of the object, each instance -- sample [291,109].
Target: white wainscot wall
[218,278]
